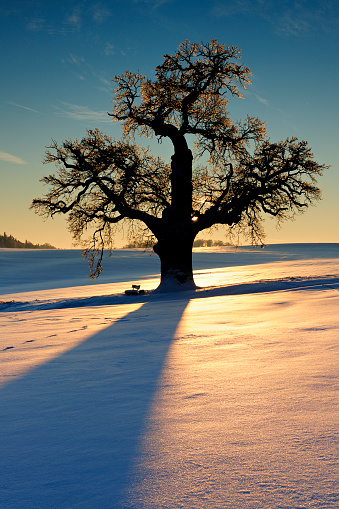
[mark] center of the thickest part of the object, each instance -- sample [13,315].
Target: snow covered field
[223,398]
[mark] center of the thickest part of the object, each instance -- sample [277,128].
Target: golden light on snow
[221,398]
[235,393]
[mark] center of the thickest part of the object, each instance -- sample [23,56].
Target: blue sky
[58,60]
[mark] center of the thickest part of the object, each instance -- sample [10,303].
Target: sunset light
[169,255]
[81,54]
[204,398]
[232,395]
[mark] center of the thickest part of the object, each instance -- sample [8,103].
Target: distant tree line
[140,243]
[210,243]
[10,242]
[148,243]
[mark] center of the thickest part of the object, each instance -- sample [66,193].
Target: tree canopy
[232,175]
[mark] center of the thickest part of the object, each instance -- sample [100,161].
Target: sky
[59,59]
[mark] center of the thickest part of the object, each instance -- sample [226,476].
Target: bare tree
[231,176]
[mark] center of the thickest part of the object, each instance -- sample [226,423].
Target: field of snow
[222,398]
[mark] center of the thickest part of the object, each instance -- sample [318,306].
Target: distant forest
[10,242]
[210,243]
[197,243]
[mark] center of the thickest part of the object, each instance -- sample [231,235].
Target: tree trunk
[175,234]
[175,253]
[175,240]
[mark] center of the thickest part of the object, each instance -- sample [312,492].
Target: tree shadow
[70,426]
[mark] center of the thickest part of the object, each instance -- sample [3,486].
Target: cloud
[23,107]
[9,158]
[109,49]
[74,59]
[79,62]
[291,18]
[292,24]
[76,112]
[153,4]
[106,84]
[300,18]
[36,25]
[40,24]
[100,14]
[74,20]
[222,9]
[262,100]
[70,23]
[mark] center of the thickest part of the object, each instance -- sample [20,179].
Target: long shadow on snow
[70,426]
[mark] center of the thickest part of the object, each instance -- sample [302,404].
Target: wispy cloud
[69,23]
[74,59]
[287,18]
[301,18]
[106,84]
[223,9]
[37,24]
[262,100]
[109,49]
[292,23]
[77,112]
[100,14]
[152,4]
[41,24]
[83,68]
[9,158]
[23,107]
[73,19]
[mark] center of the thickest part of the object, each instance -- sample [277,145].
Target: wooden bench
[135,290]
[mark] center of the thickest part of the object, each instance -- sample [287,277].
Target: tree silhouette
[231,176]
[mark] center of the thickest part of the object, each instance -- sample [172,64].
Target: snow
[224,397]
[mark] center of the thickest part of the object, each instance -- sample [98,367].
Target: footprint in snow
[76,330]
